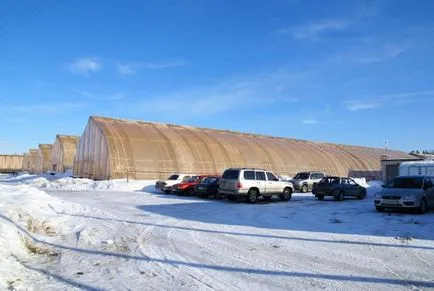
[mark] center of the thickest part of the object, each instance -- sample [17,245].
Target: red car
[187,187]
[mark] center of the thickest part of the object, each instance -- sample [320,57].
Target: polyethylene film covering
[32,161]
[63,153]
[11,163]
[114,148]
[43,160]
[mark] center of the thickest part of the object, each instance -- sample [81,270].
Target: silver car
[409,192]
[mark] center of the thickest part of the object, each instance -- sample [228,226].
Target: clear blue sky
[352,72]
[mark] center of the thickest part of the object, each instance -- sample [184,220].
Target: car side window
[185,178]
[344,181]
[249,175]
[260,176]
[312,176]
[271,177]
[320,176]
[352,182]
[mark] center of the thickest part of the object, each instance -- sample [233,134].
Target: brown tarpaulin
[63,153]
[11,163]
[43,160]
[113,148]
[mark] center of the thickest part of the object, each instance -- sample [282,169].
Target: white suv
[252,184]
[166,185]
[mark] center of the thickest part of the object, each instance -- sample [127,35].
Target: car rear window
[173,177]
[231,174]
[302,176]
[211,180]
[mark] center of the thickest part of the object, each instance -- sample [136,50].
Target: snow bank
[79,184]
[26,214]
[64,182]
[374,187]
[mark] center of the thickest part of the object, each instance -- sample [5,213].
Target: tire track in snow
[389,269]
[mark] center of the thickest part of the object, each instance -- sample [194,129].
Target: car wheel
[267,198]
[166,191]
[252,196]
[361,195]
[232,197]
[304,189]
[422,207]
[218,196]
[286,195]
[320,197]
[341,196]
[190,192]
[379,208]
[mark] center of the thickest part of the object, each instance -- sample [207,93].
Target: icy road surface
[133,240]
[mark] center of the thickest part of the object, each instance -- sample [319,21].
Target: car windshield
[302,176]
[405,183]
[173,177]
[209,180]
[231,174]
[192,179]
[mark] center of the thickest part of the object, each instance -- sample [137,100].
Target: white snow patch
[64,182]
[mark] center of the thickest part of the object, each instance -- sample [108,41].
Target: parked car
[304,181]
[253,183]
[209,186]
[410,192]
[187,187]
[165,185]
[339,188]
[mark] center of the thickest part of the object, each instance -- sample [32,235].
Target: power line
[24,18]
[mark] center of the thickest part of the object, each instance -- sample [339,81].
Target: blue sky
[351,71]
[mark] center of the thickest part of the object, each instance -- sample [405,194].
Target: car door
[429,191]
[272,184]
[353,188]
[261,181]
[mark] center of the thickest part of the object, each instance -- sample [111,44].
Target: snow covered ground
[64,233]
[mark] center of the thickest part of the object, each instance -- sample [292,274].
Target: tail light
[239,185]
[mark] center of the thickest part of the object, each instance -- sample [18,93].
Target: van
[416,168]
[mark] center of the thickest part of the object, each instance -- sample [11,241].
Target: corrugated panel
[11,163]
[146,150]
[63,153]
[43,160]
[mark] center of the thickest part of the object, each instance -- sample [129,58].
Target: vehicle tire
[252,196]
[361,195]
[304,188]
[422,207]
[267,198]
[166,191]
[218,196]
[320,197]
[190,192]
[286,195]
[379,208]
[232,198]
[341,196]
